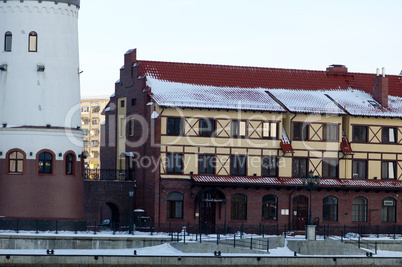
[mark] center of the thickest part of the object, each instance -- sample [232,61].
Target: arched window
[69,161]
[269,207]
[15,162]
[33,42]
[330,209]
[45,162]
[388,210]
[175,205]
[239,207]
[359,209]
[8,40]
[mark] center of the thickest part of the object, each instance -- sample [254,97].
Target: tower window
[8,41]
[33,42]
[15,162]
[45,163]
[70,164]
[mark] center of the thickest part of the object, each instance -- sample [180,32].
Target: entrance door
[209,200]
[300,212]
[208,217]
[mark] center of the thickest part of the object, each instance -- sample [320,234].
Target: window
[95,122]
[270,130]
[269,207]
[95,109]
[122,127]
[359,134]
[95,154]
[330,168]
[206,164]
[33,42]
[388,170]
[238,129]
[86,132]
[331,132]
[330,209]
[45,162]
[300,131]
[239,207]
[269,167]
[70,164]
[175,126]
[15,162]
[122,103]
[359,209]
[85,109]
[238,165]
[388,210]
[8,38]
[131,125]
[299,167]
[95,143]
[134,101]
[207,127]
[359,169]
[388,135]
[175,205]
[86,121]
[174,163]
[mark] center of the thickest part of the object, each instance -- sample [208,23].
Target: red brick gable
[254,77]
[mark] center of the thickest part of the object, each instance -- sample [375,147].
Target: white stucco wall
[36,99]
[29,97]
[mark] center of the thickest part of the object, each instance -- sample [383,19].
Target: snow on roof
[257,77]
[306,101]
[348,183]
[359,103]
[267,89]
[173,94]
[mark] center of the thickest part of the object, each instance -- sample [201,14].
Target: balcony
[109,174]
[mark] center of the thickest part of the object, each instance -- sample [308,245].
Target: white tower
[40,135]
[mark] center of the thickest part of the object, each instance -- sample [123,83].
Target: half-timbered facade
[219,145]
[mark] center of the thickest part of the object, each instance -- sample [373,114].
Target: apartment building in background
[91,120]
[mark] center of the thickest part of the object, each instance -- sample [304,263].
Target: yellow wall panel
[374,169]
[389,156]
[374,156]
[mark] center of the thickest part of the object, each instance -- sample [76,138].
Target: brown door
[208,217]
[300,212]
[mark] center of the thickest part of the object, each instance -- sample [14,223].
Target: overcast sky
[297,34]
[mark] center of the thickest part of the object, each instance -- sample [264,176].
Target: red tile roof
[256,77]
[286,146]
[272,181]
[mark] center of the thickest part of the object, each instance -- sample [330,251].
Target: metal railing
[109,174]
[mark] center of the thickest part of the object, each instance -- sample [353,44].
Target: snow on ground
[168,250]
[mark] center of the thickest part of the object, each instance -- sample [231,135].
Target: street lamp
[310,181]
[131,194]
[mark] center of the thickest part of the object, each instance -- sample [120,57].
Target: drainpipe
[290,129]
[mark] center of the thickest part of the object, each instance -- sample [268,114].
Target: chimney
[380,88]
[337,68]
[130,57]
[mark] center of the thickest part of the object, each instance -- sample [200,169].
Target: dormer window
[33,42]
[8,41]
